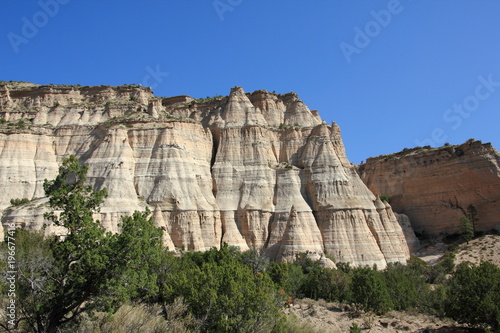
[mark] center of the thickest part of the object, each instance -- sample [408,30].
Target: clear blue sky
[391,73]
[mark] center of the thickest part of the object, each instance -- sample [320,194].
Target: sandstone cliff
[434,186]
[250,169]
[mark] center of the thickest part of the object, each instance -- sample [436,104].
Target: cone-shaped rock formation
[254,170]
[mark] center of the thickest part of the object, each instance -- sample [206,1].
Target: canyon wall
[435,186]
[254,170]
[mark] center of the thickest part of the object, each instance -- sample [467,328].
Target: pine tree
[467,229]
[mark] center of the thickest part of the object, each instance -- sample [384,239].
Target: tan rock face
[434,187]
[411,238]
[255,170]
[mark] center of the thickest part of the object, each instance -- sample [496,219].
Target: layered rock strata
[254,170]
[411,239]
[435,186]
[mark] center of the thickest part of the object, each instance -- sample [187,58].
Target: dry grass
[132,318]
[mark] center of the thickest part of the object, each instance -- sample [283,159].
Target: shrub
[434,302]
[474,295]
[288,277]
[354,328]
[368,289]
[447,263]
[326,283]
[18,202]
[208,99]
[224,294]
[407,286]
[386,198]
[20,124]
[135,254]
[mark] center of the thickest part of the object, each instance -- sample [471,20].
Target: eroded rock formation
[254,170]
[435,186]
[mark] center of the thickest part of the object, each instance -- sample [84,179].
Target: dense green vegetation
[19,202]
[474,295]
[82,279]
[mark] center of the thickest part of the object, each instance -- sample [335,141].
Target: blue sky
[393,74]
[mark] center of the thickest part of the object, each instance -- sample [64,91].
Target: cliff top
[67,105]
[28,86]
[456,150]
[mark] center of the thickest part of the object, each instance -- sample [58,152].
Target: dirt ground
[331,317]
[485,248]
